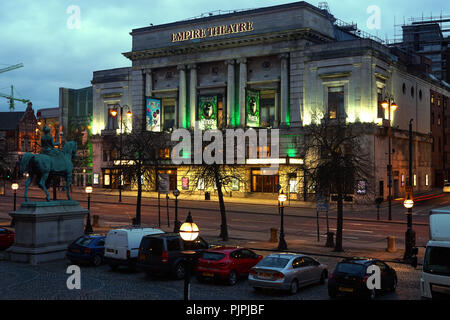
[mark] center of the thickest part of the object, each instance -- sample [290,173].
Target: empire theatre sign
[212,32]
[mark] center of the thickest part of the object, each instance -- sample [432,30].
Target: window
[380,113]
[168,114]
[415,180]
[439,120]
[412,92]
[432,98]
[420,94]
[173,244]
[335,102]
[267,108]
[113,122]
[299,262]
[432,117]
[426,180]
[164,153]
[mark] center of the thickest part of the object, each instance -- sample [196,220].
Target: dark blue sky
[36,33]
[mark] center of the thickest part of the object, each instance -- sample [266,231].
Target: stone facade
[300,62]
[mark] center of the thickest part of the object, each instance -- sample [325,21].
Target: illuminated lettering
[212,31]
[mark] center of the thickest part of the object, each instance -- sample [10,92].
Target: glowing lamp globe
[394,106]
[88,189]
[189,230]
[113,112]
[408,203]
[282,197]
[15,186]
[385,104]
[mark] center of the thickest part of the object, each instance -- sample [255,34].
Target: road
[253,221]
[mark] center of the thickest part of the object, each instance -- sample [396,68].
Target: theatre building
[272,67]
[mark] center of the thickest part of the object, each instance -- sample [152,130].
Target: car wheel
[394,285]
[294,287]
[97,260]
[179,271]
[232,278]
[323,276]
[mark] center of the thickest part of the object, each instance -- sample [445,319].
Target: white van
[122,245]
[435,280]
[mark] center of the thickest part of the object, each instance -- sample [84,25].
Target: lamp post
[176,223]
[88,229]
[410,236]
[114,113]
[282,243]
[15,187]
[389,104]
[188,232]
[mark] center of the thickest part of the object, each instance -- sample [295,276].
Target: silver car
[287,271]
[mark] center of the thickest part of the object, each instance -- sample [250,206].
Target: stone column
[230,92]
[242,86]
[148,82]
[193,94]
[284,81]
[182,96]
[277,110]
[137,99]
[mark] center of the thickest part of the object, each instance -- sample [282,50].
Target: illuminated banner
[153,114]
[252,108]
[211,32]
[207,112]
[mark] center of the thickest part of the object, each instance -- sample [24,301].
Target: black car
[350,277]
[163,253]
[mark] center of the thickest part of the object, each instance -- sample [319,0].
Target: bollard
[95,221]
[330,240]
[391,244]
[273,235]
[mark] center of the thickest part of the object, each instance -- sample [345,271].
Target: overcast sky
[54,55]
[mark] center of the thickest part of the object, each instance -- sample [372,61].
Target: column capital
[241,60]
[284,55]
[181,67]
[192,66]
[230,62]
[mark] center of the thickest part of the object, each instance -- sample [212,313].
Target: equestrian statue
[49,162]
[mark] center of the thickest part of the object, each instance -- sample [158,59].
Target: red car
[226,263]
[6,238]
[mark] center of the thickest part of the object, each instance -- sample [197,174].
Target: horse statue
[42,165]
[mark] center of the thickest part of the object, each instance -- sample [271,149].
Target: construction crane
[16,66]
[12,99]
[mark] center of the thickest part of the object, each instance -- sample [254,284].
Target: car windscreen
[83,241]
[350,268]
[273,262]
[154,245]
[213,256]
[437,261]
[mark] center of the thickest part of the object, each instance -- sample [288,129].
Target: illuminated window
[335,101]
[432,98]
[426,179]
[164,153]
[415,180]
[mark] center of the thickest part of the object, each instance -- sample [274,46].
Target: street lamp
[176,223]
[389,104]
[15,187]
[114,113]
[408,204]
[88,229]
[188,232]
[281,199]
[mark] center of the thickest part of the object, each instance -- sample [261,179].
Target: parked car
[350,277]
[122,245]
[88,248]
[226,263]
[162,253]
[287,271]
[6,238]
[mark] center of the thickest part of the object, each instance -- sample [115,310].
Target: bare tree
[140,156]
[334,160]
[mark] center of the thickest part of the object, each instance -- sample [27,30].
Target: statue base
[45,229]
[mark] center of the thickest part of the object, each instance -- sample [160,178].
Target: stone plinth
[45,229]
